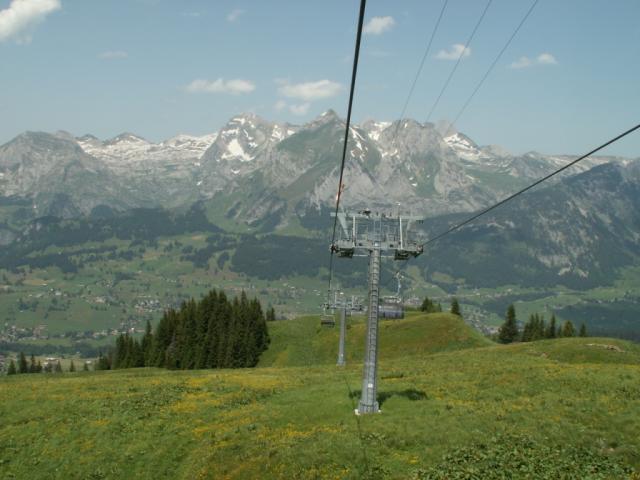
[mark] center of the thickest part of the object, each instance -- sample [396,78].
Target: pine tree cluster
[536,328]
[214,332]
[429,306]
[32,366]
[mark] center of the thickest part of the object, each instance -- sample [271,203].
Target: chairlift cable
[455,67]
[529,187]
[346,134]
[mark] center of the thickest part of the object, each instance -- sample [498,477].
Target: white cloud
[379,25]
[309,91]
[113,54]
[522,62]
[454,52]
[235,14]
[22,16]
[542,59]
[233,87]
[547,59]
[301,109]
[280,105]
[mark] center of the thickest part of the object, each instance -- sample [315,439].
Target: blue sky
[569,81]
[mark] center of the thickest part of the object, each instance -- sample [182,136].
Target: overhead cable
[354,72]
[495,61]
[534,184]
[415,79]
[455,67]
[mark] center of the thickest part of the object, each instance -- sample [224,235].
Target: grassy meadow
[453,406]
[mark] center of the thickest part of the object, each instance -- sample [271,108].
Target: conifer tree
[39,367]
[583,330]
[455,307]
[224,314]
[187,336]
[33,368]
[120,353]
[429,306]
[534,329]
[58,367]
[85,367]
[72,367]
[211,333]
[104,362]
[527,330]
[203,309]
[271,315]
[509,330]
[12,368]
[551,329]
[23,367]
[426,303]
[163,338]
[540,328]
[568,330]
[212,336]
[146,344]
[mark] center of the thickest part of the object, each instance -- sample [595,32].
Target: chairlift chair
[327,319]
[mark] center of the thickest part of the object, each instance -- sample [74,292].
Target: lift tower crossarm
[370,230]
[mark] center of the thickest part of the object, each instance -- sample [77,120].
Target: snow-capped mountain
[128,151]
[242,146]
[252,169]
[58,176]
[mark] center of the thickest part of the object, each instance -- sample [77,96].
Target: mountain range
[280,178]
[254,171]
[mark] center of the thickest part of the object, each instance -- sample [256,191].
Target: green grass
[554,409]
[304,342]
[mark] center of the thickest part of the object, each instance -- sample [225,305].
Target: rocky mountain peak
[126,137]
[328,117]
[277,166]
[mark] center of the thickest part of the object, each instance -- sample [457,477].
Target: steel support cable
[534,184]
[495,61]
[482,80]
[491,67]
[455,67]
[415,79]
[354,72]
[520,192]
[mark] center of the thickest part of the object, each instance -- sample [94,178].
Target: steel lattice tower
[374,234]
[344,307]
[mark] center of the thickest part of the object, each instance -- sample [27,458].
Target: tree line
[214,332]
[33,366]
[429,306]
[536,328]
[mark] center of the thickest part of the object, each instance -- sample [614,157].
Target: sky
[568,82]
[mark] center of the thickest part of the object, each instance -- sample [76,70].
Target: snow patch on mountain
[376,128]
[128,150]
[235,151]
[464,147]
